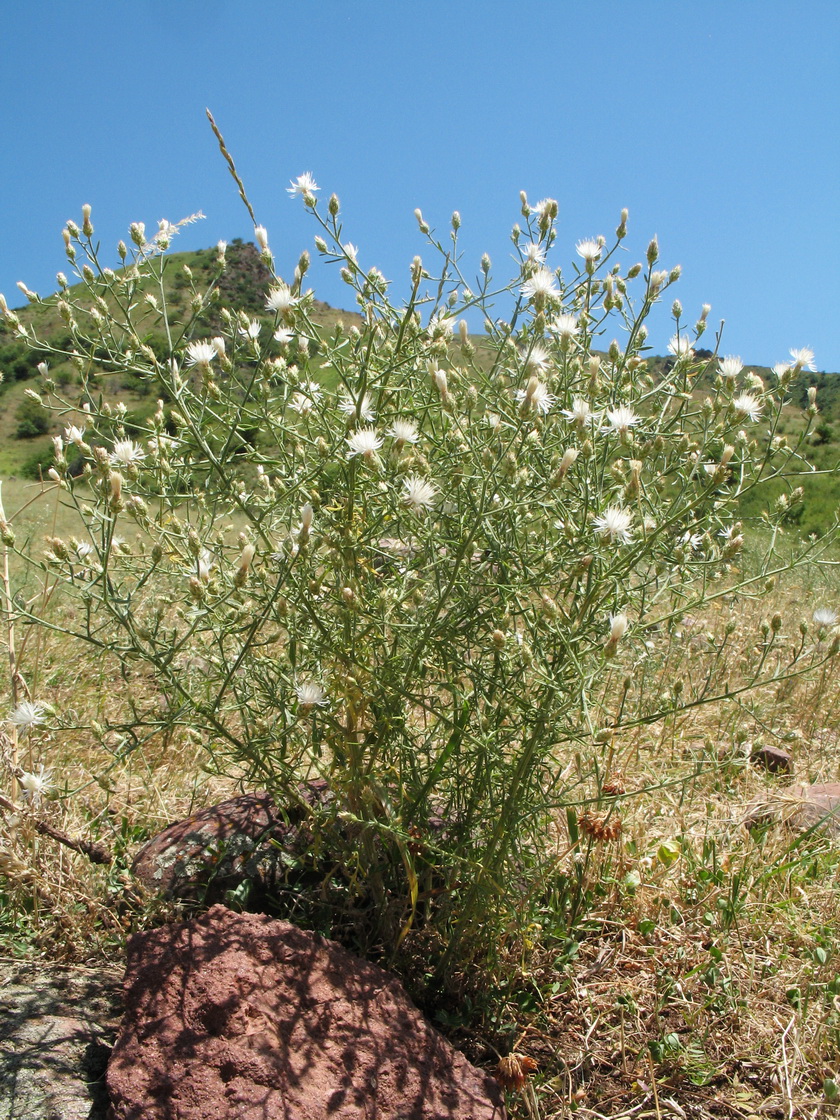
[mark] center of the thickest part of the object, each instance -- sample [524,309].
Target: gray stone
[57,1026]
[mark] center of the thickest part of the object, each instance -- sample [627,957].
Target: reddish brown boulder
[219,848]
[241,1015]
[772,759]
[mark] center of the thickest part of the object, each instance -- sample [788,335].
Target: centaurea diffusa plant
[414,574]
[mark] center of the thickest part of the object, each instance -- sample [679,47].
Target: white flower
[280,299]
[201,354]
[542,284]
[419,493]
[537,396]
[781,368]
[566,326]
[301,404]
[283,335]
[312,389]
[351,251]
[304,184]
[363,442]
[804,358]
[252,330]
[352,407]
[825,616]
[127,453]
[730,367]
[404,431]
[204,562]
[34,786]
[580,412]
[74,434]
[534,253]
[543,204]
[680,347]
[27,715]
[589,250]
[261,234]
[311,695]
[622,419]
[748,405]
[441,325]
[614,525]
[537,358]
[618,627]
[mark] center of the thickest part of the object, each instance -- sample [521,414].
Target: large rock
[799,807]
[819,806]
[218,849]
[240,1015]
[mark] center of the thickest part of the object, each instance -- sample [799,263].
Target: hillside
[26,429]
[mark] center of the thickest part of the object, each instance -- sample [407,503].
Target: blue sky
[716,123]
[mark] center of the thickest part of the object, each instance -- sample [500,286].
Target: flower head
[283,335]
[680,346]
[74,434]
[201,354]
[749,406]
[589,250]
[730,367]
[419,493]
[251,329]
[534,253]
[364,442]
[580,412]
[535,396]
[280,299]
[350,406]
[404,431]
[28,715]
[825,616]
[34,786]
[304,184]
[613,525]
[311,695]
[565,326]
[542,285]
[537,358]
[127,453]
[618,627]
[622,419]
[804,358]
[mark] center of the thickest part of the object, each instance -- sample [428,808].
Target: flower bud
[245,559]
[87,228]
[333,206]
[653,251]
[261,235]
[569,456]
[418,214]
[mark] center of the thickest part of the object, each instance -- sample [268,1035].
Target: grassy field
[682,958]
